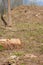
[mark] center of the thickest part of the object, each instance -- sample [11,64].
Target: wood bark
[9,14]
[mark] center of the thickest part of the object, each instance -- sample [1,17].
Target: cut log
[9,43]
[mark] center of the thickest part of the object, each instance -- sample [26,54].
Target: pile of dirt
[26,13]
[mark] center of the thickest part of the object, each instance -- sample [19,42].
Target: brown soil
[27,25]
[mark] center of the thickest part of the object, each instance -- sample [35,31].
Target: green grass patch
[19,53]
[22,64]
[1,47]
